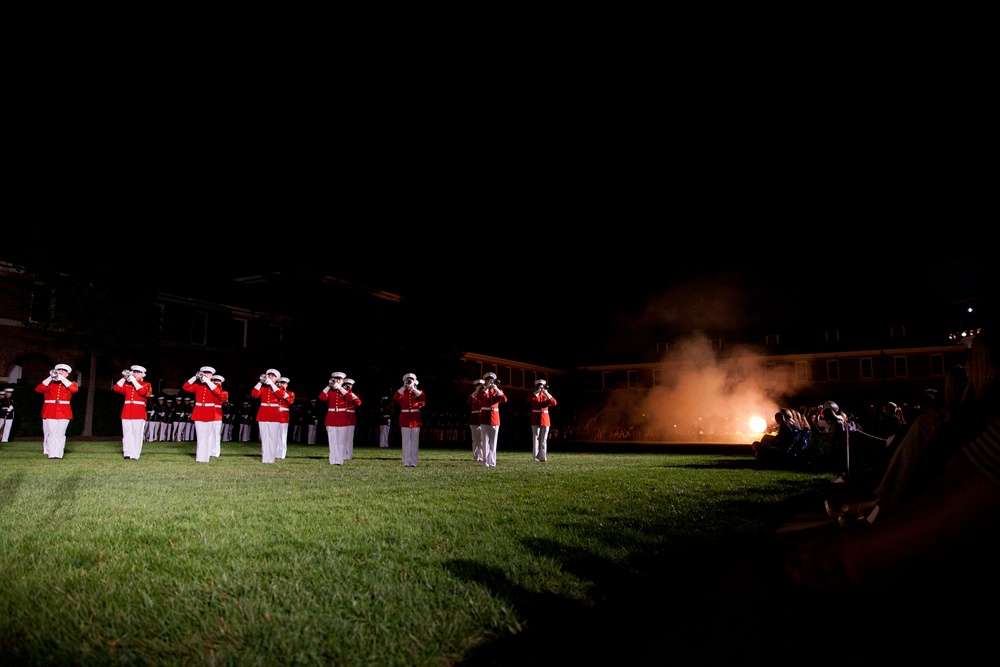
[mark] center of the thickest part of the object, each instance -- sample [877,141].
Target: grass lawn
[165,561]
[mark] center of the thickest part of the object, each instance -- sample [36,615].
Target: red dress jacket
[57,398]
[285,406]
[337,405]
[410,402]
[205,400]
[270,403]
[475,407]
[540,409]
[135,399]
[223,397]
[353,402]
[489,402]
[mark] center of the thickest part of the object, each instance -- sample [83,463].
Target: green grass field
[165,561]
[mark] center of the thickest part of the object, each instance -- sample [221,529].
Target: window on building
[832,369]
[199,328]
[937,364]
[801,371]
[832,336]
[662,347]
[43,304]
[899,363]
[518,378]
[606,379]
[771,340]
[898,331]
[867,369]
[657,377]
[238,334]
[633,379]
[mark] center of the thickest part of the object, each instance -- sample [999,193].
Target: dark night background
[561,295]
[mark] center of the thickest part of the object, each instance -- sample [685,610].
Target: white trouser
[282,440]
[132,434]
[491,432]
[477,442]
[539,442]
[349,443]
[411,445]
[383,435]
[335,435]
[217,445]
[311,438]
[54,437]
[204,433]
[270,440]
[7,425]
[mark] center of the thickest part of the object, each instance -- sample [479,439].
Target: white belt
[409,410]
[336,409]
[205,405]
[491,410]
[59,402]
[282,409]
[545,410]
[135,402]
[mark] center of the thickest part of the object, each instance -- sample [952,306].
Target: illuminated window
[771,340]
[899,363]
[832,369]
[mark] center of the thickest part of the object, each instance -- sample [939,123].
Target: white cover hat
[479,381]
[271,371]
[490,375]
[219,378]
[137,369]
[348,381]
[338,374]
[411,376]
[64,367]
[207,369]
[283,379]
[541,382]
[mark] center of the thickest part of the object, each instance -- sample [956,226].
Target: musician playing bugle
[269,414]
[540,401]
[58,390]
[489,417]
[136,391]
[207,394]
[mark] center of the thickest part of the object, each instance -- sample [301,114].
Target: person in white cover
[136,390]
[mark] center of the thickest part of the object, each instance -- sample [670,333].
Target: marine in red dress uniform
[136,390]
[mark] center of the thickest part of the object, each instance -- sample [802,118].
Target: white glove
[210,385]
[135,383]
[270,383]
[326,390]
[47,381]
[121,383]
[548,395]
[343,392]
[194,378]
[258,386]
[65,381]
[402,390]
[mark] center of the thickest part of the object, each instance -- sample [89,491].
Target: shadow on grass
[678,601]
